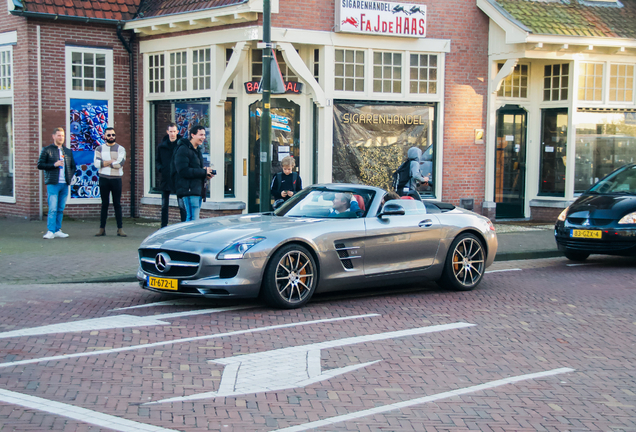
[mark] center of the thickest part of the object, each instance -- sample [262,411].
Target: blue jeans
[192,206]
[57,201]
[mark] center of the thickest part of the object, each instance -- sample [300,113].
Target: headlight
[238,249]
[563,214]
[628,219]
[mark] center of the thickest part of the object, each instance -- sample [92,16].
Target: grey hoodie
[414,154]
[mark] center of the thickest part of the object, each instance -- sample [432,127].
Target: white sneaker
[49,235]
[60,234]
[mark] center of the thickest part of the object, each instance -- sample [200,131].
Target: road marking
[423,400]
[181,302]
[579,264]
[292,367]
[76,413]
[107,323]
[504,270]
[184,340]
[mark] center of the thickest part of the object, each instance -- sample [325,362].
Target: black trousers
[108,186]
[165,208]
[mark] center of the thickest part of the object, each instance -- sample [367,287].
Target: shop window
[590,82]
[229,149]
[387,72]
[621,88]
[156,73]
[178,71]
[515,85]
[553,151]
[201,69]
[605,140]
[88,71]
[5,70]
[423,73]
[6,151]
[257,66]
[370,141]
[556,79]
[349,74]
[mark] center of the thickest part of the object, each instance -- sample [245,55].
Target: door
[510,163]
[399,243]
[285,142]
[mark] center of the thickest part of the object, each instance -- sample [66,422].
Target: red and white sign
[381,18]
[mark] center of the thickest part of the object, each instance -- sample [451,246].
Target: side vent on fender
[345,257]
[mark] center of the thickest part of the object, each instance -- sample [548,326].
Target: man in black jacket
[190,173]
[163,162]
[59,168]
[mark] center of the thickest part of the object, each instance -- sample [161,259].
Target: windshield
[622,181]
[327,203]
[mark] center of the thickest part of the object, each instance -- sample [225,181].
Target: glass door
[285,142]
[510,163]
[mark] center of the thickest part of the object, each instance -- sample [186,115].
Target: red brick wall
[54,36]
[545,214]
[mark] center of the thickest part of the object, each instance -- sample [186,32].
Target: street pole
[266,119]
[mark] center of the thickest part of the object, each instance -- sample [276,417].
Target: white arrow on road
[106,323]
[291,367]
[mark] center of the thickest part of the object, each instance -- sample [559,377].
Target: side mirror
[392,211]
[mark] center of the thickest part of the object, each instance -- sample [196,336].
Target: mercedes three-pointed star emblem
[162,262]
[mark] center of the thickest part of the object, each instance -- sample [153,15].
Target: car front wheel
[465,264]
[576,255]
[290,278]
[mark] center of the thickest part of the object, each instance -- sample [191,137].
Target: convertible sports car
[327,237]
[602,220]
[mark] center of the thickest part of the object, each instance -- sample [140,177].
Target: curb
[514,256]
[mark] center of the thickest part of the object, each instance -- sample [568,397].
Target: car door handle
[425,223]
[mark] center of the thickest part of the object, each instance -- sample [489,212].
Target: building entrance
[510,162]
[285,142]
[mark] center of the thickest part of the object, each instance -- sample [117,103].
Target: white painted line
[422,400]
[504,270]
[184,340]
[292,367]
[76,413]
[181,302]
[579,264]
[107,323]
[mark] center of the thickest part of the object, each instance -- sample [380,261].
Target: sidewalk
[26,258]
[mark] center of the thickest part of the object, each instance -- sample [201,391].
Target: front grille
[595,222]
[182,264]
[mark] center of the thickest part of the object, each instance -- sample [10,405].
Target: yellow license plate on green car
[591,234]
[162,283]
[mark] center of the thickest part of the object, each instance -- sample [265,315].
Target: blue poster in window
[89,120]
[187,115]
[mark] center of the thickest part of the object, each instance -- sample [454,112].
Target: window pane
[88,58]
[100,59]
[76,57]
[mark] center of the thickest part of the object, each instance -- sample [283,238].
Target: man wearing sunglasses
[109,160]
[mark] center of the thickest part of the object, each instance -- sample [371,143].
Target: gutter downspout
[39,68]
[133,170]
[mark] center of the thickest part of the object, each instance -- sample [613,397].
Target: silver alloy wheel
[294,276]
[468,261]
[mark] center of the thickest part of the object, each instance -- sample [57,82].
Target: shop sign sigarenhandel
[382,119]
[381,18]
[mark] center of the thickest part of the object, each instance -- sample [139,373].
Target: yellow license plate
[593,234]
[161,283]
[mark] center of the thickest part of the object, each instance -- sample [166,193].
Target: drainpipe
[133,170]
[39,68]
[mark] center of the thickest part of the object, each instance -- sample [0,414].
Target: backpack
[402,176]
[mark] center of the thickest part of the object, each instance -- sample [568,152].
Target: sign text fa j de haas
[382,18]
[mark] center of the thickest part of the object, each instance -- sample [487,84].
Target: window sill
[555,203]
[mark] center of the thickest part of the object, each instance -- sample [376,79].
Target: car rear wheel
[465,264]
[290,278]
[576,255]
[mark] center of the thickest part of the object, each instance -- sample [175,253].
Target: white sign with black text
[381,18]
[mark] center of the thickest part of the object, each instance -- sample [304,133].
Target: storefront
[356,99]
[561,106]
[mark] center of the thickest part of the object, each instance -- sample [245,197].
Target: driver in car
[341,205]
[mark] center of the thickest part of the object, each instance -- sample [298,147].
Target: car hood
[602,206]
[225,230]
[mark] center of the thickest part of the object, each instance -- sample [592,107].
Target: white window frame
[108,95]
[604,83]
[7,96]
[179,66]
[384,79]
[407,77]
[152,84]
[561,88]
[609,89]
[528,85]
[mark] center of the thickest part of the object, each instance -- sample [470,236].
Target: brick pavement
[28,258]
[547,315]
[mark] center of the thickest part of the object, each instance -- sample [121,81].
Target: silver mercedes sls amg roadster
[325,238]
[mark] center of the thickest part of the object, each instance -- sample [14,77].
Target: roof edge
[54,17]
[141,18]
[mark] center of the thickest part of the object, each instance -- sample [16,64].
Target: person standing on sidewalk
[109,160]
[163,162]
[190,172]
[59,167]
